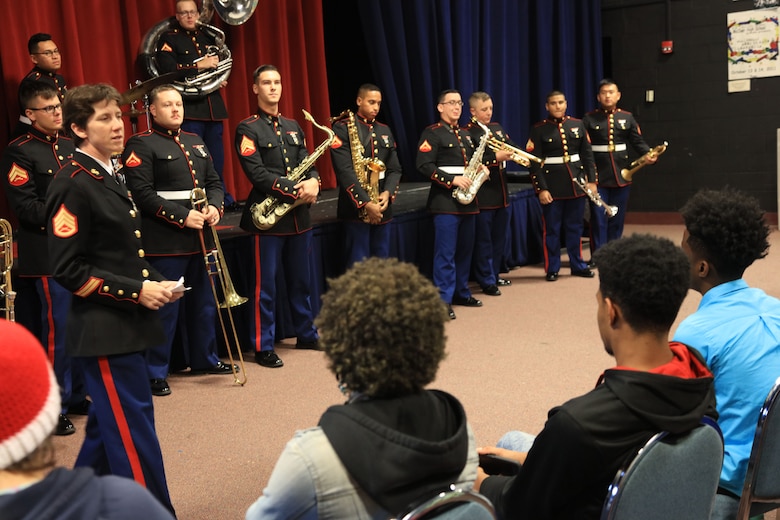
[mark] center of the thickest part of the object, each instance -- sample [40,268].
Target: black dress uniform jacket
[162,160]
[610,128]
[51,78]
[269,148]
[493,193]
[177,49]
[562,137]
[444,145]
[378,143]
[28,166]
[95,247]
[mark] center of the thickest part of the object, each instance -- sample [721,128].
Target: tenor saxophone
[474,171]
[269,211]
[367,169]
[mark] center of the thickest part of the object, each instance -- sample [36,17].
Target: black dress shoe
[64,426]
[219,368]
[268,358]
[450,312]
[81,408]
[584,273]
[551,277]
[308,345]
[467,302]
[491,290]
[503,282]
[160,387]
[591,264]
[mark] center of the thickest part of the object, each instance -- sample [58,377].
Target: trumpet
[642,161]
[216,268]
[611,211]
[519,156]
[6,263]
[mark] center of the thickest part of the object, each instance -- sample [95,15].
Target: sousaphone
[232,12]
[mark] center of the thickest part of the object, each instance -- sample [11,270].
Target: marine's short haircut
[365,88]
[156,91]
[382,328]
[647,277]
[263,68]
[30,90]
[478,96]
[35,39]
[444,93]
[553,93]
[727,228]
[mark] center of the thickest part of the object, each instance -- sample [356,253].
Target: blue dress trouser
[365,240]
[194,316]
[452,249]
[270,252]
[490,243]
[55,305]
[120,435]
[563,215]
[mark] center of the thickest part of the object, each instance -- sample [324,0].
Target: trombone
[216,268]
[6,263]
[519,156]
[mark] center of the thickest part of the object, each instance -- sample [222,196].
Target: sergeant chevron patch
[64,223]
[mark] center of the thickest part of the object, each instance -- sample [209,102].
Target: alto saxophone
[267,213]
[474,171]
[367,169]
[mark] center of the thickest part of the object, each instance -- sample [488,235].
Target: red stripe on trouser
[257,317]
[121,421]
[544,243]
[49,320]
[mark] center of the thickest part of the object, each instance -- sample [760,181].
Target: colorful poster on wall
[753,44]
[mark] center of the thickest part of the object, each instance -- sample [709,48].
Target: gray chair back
[761,492]
[673,477]
[456,504]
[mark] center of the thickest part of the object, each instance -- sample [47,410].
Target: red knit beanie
[29,394]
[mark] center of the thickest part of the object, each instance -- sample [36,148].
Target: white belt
[175,195]
[605,147]
[453,170]
[381,175]
[563,159]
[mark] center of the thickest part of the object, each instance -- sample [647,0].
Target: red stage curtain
[99,41]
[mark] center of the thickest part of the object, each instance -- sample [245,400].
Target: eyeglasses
[50,109]
[49,53]
[453,103]
[187,13]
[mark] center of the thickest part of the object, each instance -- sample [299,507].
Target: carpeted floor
[508,362]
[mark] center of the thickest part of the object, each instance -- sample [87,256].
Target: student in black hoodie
[656,385]
[393,443]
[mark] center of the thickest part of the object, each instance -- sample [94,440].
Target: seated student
[392,443]
[655,386]
[31,488]
[736,327]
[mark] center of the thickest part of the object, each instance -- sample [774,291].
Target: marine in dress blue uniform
[492,224]
[269,147]
[28,165]
[443,152]
[365,239]
[563,144]
[612,132]
[186,47]
[95,244]
[162,166]
[47,60]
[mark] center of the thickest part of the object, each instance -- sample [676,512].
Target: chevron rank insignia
[64,223]
[166,47]
[336,143]
[247,146]
[425,146]
[17,176]
[133,161]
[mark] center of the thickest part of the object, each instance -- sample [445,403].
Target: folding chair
[671,477]
[761,492]
[456,504]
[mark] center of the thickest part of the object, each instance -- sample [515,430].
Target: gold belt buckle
[611,147]
[566,158]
